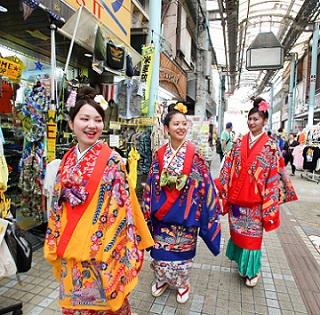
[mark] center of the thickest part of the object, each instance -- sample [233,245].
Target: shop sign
[9,69]
[51,135]
[116,15]
[171,77]
[145,76]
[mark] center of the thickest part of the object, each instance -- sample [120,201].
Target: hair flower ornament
[263,106]
[181,108]
[101,100]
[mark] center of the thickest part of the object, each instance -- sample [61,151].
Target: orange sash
[75,214]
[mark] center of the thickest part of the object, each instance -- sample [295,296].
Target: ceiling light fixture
[3,9]
[88,55]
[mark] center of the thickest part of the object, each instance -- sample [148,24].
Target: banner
[145,76]
[51,135]
[9,69]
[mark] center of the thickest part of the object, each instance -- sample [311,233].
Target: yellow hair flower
[181,108]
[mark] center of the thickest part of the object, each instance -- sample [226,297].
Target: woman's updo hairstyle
[259,106]
[174,109]
[86,95]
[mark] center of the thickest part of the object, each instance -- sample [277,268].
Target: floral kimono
[176,209]
[253,183]
[96,231]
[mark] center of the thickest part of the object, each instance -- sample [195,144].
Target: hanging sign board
[116,15]
[9,69]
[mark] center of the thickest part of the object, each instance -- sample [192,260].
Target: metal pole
[220,118]
[72,40]
[154,36]
[271,107]
[53,67]
[290,94]
[313,73]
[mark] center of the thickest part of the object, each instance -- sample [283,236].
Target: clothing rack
[311,176]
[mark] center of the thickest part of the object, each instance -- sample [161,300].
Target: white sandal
[183,295]
[157,289]
[251,282]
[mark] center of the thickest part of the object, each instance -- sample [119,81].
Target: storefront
[39,73]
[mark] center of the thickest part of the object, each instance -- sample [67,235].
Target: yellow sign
[51,136]
[145,75]
[114,14]
[9,69]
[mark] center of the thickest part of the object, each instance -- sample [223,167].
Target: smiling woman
[96,233]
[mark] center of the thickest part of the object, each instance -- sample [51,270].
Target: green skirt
[249,261]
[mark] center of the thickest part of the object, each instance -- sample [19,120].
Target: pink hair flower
[263,106]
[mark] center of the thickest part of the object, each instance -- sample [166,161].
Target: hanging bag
[20,247]
[7,264]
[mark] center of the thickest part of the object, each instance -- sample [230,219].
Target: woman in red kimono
[253,182]
[179,201]
[96,231]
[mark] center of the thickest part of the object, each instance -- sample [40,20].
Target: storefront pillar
[154,37]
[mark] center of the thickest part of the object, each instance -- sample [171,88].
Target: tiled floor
[289,282]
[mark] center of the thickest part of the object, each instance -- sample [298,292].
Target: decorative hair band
[101,101]
[263,106]
[181,108]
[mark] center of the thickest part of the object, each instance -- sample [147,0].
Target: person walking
[96,231]
[287,152]
[253,182]
[226,138]
[179,200]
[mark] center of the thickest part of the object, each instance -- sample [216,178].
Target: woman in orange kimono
[96,231]
[253,183]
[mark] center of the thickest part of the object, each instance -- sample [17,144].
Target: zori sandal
[157,289]
[251,282]
[183,295]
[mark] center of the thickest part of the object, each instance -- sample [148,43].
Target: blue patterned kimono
[176,215]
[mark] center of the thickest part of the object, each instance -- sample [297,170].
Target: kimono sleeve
[222,182]
[210,226]
[50,245]
[148,191]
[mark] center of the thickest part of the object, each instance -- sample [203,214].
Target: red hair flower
[263,106]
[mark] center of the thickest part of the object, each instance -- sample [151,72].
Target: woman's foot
[183,295]
[252,282]
[158,288]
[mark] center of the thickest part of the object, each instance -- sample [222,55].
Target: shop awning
[86,30]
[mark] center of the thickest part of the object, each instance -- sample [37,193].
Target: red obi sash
[237,194]
[75,214]
[173,194]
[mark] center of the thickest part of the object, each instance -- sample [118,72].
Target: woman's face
[255,123]
[87,126]
[178,127]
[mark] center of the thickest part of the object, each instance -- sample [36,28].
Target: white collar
[81,154]
[254,138]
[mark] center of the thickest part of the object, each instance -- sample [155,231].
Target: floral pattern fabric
[98,272]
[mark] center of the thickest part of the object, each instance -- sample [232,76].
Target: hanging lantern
[265,53]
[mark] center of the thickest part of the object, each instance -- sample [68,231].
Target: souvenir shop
[306,156]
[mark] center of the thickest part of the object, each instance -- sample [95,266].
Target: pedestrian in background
[226,138]
[287,152]
[252,183]
[96,231]
[179,200]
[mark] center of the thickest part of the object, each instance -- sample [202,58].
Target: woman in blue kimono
[179,200]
